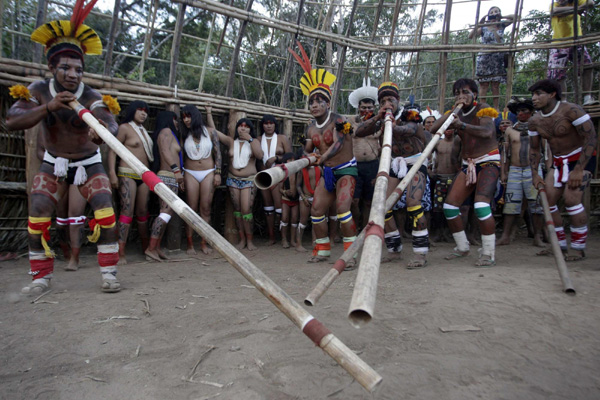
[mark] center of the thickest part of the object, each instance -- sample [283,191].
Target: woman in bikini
[202,166]
[273,145]
[243,152]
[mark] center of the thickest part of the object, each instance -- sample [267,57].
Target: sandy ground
[533,341]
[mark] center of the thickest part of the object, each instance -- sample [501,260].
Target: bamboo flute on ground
[558,254]
[341,262]
[309,325]
[272,176]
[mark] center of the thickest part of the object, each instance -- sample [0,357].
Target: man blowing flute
[572,139]
[481,167]
[72,154]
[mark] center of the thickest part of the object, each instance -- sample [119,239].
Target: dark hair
[321,96]
[129,112]
[197,122]
[268,118]
[287,156]
[366,100]
[236,135]
[64,50]
[164,119]
[429,116]
[549,86]
[462,82]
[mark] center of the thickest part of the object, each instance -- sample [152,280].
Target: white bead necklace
[551,112]
[324,123]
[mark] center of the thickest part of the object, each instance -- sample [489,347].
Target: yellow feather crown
[314,80]
[57,32]
[487,112]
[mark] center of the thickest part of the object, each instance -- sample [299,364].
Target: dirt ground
[210,334]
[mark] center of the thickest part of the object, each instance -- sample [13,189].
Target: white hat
[365,92]
[428,112]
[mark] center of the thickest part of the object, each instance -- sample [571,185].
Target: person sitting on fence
[133,192]
[244,150]
[202,167]
[572,139]
[481,168]
[273,145]
[562,27]
[72,155]
[167,161]
[491,67]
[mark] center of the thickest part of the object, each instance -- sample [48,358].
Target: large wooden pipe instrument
[272,176]
[558,254]
[309,325]
[341,262]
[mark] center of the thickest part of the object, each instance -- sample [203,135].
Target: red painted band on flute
[316,331]
[383,173]
[82,112]
[339,265]
[287,173]
[550,223]
[373,229]
[150,179]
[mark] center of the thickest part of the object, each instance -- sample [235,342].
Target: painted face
[505,123]
[390,103]
[365,108]
[466,96]
[541,99]
[429,123]
[523,114]
[141,114]
[269,127]
[187,120]
[68,73]
[317,106]
[243,128]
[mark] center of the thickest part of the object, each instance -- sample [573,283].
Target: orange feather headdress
[314,80]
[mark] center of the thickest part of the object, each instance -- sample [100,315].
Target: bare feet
[301,249]
[190,251]
[537,240]
[271,241]
[419,261]
[206,249]
[74,264]
[503,241]
[250,246]
[241,245]
[285,244]
[317,259]
[152,255]
[161,254]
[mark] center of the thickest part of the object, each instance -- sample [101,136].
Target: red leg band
[108,259]
[41,268]
[125,219]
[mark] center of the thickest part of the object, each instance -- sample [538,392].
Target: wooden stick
[341,262]
[310,326]
[272,176]
[365,286]
[558,254]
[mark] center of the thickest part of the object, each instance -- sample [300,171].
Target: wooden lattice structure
[233,55]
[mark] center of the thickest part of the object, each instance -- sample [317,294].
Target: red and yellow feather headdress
[314,80]
[69,36]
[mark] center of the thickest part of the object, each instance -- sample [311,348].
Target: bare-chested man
[445,168]
[516,173]
[72,154]
[572,139]
[167,160]
[408,141]
[133,192]
[274,145]
[366,151]
[481,162]
[330,134]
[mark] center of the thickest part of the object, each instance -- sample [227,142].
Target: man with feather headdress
[331,136]
[72,154]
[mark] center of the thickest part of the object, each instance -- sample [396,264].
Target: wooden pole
[40,19]
[111,38]
[558,255]
[511,57]
[223,32]
[576,63]
[310,326]
[475,37]
[236,53]
[365,286]
[176,44]
[388,60]
[270,177]
[206,51]
[147,40]
[342,59]
[341,262]
[442,77]
[285,92]
[373,34]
